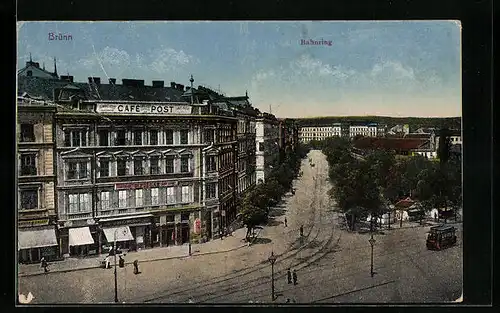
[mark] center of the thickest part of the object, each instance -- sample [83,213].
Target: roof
[34,67]
[404,144]
[442,228]
[417,135]
[40,87]
[405,203]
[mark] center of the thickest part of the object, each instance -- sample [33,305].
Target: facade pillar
[99,241]
[160,235]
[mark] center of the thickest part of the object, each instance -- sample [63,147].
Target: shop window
[184,136]
[184,164]
[28,164]
[169,164]
[153,137]
[27,133]
[171,195]
[29,199]
[169,137]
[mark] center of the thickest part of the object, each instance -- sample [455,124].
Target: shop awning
[122,233]
[80,236]
[36,238]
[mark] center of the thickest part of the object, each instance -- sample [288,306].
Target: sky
[389,68]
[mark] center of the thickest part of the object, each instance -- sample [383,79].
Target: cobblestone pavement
[332,265]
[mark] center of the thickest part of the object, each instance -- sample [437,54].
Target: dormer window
[29,73]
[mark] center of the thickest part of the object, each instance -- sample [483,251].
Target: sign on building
[144,185]
[144,108]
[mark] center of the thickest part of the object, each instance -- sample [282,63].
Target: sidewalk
[227,244]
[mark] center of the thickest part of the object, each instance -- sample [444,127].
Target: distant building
[366,130]
[267,137]
[33,69]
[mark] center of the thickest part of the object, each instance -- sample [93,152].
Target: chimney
[112,81]
[158,83]
[187,88]
[180,87]
[66,78]
[172,85]
[133,82]
[95,80]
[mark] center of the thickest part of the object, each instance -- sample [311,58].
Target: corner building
[137,167]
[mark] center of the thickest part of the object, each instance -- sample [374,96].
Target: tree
[252,212]
[444,145]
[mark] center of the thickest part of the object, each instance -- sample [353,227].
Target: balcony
[76,216]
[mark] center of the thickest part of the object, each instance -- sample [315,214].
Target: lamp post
[116,278]
[189,237]
[372,242]
[272,260]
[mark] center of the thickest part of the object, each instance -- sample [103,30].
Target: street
[332,265]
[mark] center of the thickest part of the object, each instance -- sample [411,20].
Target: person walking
[44,265]
[136,267]
[289,276]
[294,277]
[286,222]
[301,230]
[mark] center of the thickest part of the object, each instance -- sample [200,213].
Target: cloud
[168,59]
[108,58]
[393,70]
[309,66]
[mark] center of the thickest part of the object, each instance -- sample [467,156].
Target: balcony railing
[76,216]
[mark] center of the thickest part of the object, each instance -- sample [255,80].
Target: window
[186,194]
[209,135]
[29,199]
[103,138]
[153,137]
[28,164]
[78,203]
[120,137]
[184,216]
[211,191]
[170,195]
[122,199]
[138,137]
[184,164]
[75,138]
[138,169]
[154,196]
[29,73]
[105,203]
[138,197]
[184,137]
[104,168]
[27,133]
[154,166]
[169,164]
[211,165]
[121,166]
[169,137]
[76,170]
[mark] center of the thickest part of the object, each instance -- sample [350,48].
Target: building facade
[267,145]
[134,167]
[36,205]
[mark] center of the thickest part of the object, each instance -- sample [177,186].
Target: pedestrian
[289,276]
[286,222]
[44,265]
[121,262]
[435,216]
[136,267]
[301,230]
[287,300]
[294,277]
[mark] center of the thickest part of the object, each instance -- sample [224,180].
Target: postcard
[242,162]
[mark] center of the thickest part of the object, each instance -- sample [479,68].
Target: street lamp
[272,260]
[189,237]
[372,242]
[116,276]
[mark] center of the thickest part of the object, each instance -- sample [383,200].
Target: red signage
[144,185]
[197,226]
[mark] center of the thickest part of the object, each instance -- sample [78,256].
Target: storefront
[163,232]
[131,233]
[81,242]
[37,242]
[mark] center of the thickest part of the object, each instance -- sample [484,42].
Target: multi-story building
[36,206]
[288,134]
[315,132]
[145,165]
[366,130]
[267,145]
[33,69]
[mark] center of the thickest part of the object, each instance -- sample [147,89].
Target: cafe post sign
[144,108]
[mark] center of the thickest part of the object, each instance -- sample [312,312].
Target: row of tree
[368,185]
[257,201]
